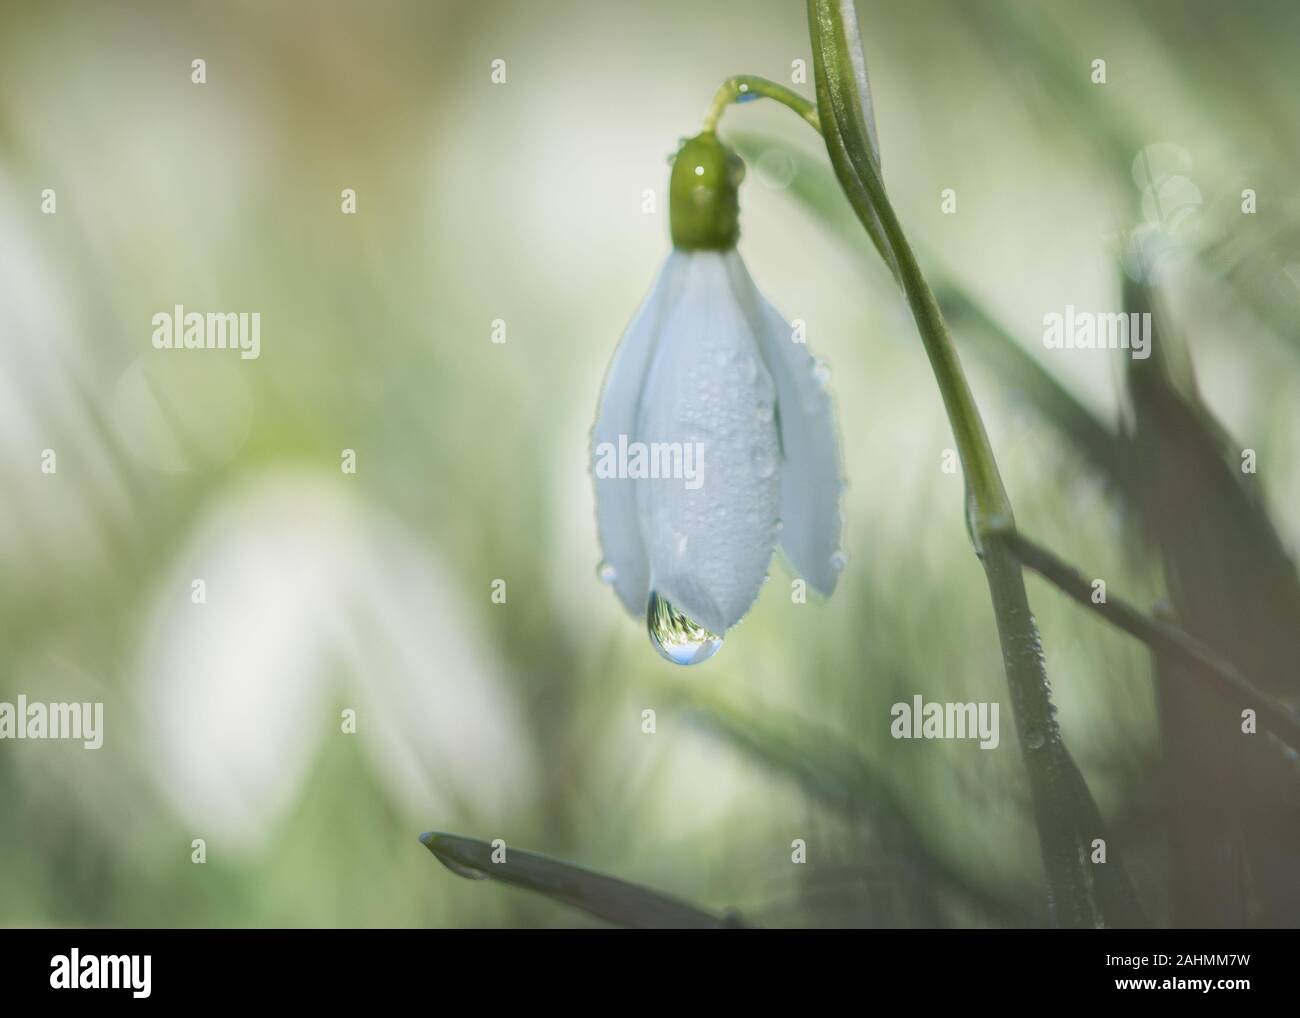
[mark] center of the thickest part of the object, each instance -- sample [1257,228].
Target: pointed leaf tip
[605,897]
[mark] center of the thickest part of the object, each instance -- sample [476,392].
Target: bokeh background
[526,202]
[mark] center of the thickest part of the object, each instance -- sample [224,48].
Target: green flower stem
[743,86]
[1162,637]
[1055,788]
[730,92]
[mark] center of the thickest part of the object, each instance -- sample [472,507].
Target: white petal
[710,540]
[810,471]
[616,513]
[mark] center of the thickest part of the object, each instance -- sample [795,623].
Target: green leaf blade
[609,898]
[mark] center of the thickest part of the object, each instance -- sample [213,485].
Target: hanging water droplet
[676,636]
[821,372]
[838,562]
[606,573]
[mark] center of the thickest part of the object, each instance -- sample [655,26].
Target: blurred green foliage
[523,202]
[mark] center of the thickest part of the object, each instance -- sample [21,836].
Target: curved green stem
[744,87]
[1066,815]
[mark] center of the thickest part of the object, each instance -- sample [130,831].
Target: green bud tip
[704,195]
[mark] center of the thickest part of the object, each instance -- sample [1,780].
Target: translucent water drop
[776,169]
[764,463]
[821,372]
[838,562]
[676,636]
[606,573]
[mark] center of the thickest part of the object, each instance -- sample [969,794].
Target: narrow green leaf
[858,98]
[609,898]
[1233,587]
[1073,899]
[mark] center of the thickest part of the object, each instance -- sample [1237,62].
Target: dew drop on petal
[838,562]
[821,372]
[676,636]
[606,573]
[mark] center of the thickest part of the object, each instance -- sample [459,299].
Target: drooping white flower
[715,438]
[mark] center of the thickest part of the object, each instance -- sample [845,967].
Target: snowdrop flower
[715,437]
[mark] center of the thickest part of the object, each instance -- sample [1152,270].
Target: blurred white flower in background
[47,379]
[314,604]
